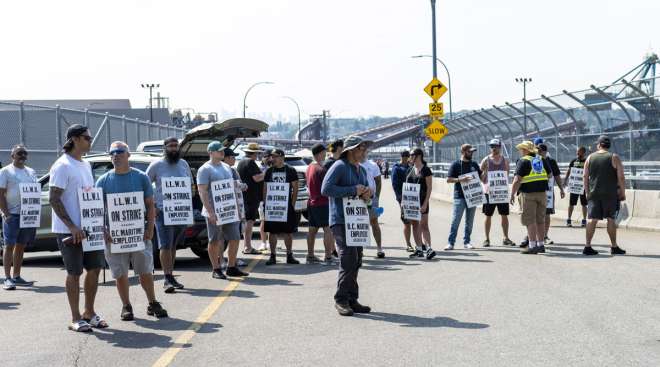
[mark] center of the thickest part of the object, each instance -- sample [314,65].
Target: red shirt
[315,175]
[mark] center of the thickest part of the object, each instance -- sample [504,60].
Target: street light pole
[451,112]
[151,97]
[299,125]
[248,91]
[524,82]
[435,55]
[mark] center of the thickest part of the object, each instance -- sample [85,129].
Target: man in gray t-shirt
[171,165]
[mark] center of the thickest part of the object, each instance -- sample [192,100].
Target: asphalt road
[490,307]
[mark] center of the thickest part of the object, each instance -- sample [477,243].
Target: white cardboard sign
[177,201]
[277,201]
[126,221]
[92,212]
[410,202]
[575,181]
[473,190]
[224,201]
[30,193]
[356,222]
[498,187]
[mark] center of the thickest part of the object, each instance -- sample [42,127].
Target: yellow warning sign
[436,131]
[435,89]
[436,110]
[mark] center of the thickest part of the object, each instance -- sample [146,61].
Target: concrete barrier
[640,211]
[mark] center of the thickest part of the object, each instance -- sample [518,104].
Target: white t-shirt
[10,178]
[69,174]
[372,172]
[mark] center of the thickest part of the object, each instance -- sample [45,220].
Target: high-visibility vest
[537,173]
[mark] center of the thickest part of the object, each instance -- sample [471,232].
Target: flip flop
[252,251]
[97,322]
[80,326]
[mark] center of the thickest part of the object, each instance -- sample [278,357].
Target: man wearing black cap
[318,208]
[169,236]
[69,174]
[456,170]
[253,176]
[399,171]
[335,148]
[604,183]
[280,173]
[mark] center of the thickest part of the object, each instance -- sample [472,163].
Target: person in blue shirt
[346,178]
[125,179]
[399,171]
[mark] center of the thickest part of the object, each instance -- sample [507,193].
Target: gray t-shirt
[209,172]
[162,168]
[10,178]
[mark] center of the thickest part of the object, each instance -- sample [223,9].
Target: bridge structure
[627,110]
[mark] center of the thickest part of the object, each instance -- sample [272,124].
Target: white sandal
[97,322]
[80,326]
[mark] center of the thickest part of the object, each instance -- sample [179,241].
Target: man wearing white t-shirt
[67,175]
[374,179]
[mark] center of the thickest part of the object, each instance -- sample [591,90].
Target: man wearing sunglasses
[492,163]
[69,174]
[125,179]
[16,238]
[171,165]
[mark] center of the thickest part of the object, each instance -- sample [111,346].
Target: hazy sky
[351,57]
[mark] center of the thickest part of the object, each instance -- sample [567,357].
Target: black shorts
[404,220]
[318,216]
[603,208]
[251,211]
[574,199]
[549,210]
[489,209]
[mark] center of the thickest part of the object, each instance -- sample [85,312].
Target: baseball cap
[171,139]
[318,148]
[467,148]
[495,142]
[230,153]
[75,130]
[538,141]
[339,143]
[277,153]
[605,141]
[215,146]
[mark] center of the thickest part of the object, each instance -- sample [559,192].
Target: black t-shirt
[524,167]
[246,169]
[328,163]
[284,174]
[577,163]
[460,168]
[413,177]
[554,167]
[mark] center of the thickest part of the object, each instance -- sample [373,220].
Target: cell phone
[69,240]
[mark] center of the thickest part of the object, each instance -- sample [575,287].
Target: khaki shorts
[142,261]
[533,207]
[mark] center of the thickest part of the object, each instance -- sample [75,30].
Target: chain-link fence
[43,131]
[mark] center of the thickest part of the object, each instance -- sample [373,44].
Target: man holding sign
[130,229]
[463,172]
[216,185]
[575,183]
[15,180]
[495,177]
[347,187]
[280,194]
[173,180]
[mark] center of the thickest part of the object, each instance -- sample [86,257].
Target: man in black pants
[346,178]
[578,162]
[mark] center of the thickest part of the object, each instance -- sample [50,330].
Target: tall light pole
[435,54]
[151,97]
[248,91]
[451,112]
[299,125]
[524,82]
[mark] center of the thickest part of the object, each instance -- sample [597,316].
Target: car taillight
[189,232]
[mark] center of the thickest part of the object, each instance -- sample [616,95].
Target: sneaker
[449,247]
[344,309]
[335,254]
[524,242]
[358,308]
[616,250]
[486,243]
[417,253]
[236,272]
[569,223]
[540,249]
[584,223]
[9,284]
[241,263]
[380,254]
[21,282]
[312,260]
[127,313]
[548,240]
[168,287]
[176,284]
[217,274]
[430,253]
[529,250]
[508,242]
[589,251]
[468,246]
[424,248]
[410,248]
[291,260]
[156,309]
[272,260]
[330,261]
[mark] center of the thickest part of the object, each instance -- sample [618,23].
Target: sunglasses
[494,146]
[114,152]
[21,153]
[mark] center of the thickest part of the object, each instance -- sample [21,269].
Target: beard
[172,157]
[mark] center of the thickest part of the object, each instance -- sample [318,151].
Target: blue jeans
[460,206]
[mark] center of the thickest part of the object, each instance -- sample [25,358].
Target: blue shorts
[12,233]
[168,236]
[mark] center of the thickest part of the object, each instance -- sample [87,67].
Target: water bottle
[379,211]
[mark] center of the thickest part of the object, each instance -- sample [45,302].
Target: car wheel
[201,251]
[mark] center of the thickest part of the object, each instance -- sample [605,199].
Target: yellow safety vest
[535,175]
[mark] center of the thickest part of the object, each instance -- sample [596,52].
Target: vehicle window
[295,162]
[100,168]
[153,148]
